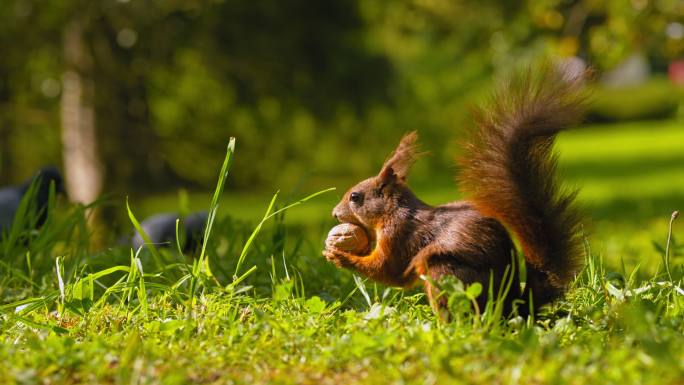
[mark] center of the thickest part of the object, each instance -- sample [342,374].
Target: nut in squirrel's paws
[348,237]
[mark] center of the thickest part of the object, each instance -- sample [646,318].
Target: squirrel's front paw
[336,257]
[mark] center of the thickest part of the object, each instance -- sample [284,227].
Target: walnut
[348,237]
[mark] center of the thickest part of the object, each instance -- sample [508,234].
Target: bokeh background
[138,98]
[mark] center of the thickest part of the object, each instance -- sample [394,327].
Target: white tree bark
[82,167]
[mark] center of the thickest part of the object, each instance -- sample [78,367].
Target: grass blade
[156,256]
[268,215]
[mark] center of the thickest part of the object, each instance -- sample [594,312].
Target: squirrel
[507,173]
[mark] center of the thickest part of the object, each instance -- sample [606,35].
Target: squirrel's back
[508,172]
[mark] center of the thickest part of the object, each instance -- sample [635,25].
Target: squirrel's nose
[336,214]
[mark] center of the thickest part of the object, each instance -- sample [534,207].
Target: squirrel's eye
[356,197]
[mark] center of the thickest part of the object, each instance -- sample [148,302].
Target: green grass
[262,305]
[631,178]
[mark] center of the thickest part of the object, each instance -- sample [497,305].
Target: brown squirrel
[507,172]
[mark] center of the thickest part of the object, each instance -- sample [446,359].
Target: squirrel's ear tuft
[399,163]
[387,176]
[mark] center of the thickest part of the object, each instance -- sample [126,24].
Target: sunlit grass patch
[631,178]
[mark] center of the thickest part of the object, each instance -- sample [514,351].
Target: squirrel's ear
[387,176]
[398,165]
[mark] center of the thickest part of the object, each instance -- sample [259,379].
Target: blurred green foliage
[312,90]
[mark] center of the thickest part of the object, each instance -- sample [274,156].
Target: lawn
[283,315]
[631,178]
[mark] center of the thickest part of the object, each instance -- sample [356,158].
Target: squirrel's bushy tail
[508,172]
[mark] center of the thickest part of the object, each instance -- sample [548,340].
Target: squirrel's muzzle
[342,213]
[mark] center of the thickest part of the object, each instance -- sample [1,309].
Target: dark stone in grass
[11,196]
[161,229]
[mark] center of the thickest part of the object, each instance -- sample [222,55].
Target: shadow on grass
[632,210]
[636,167]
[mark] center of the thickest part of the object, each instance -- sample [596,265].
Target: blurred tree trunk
[83,171]
[5,128]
